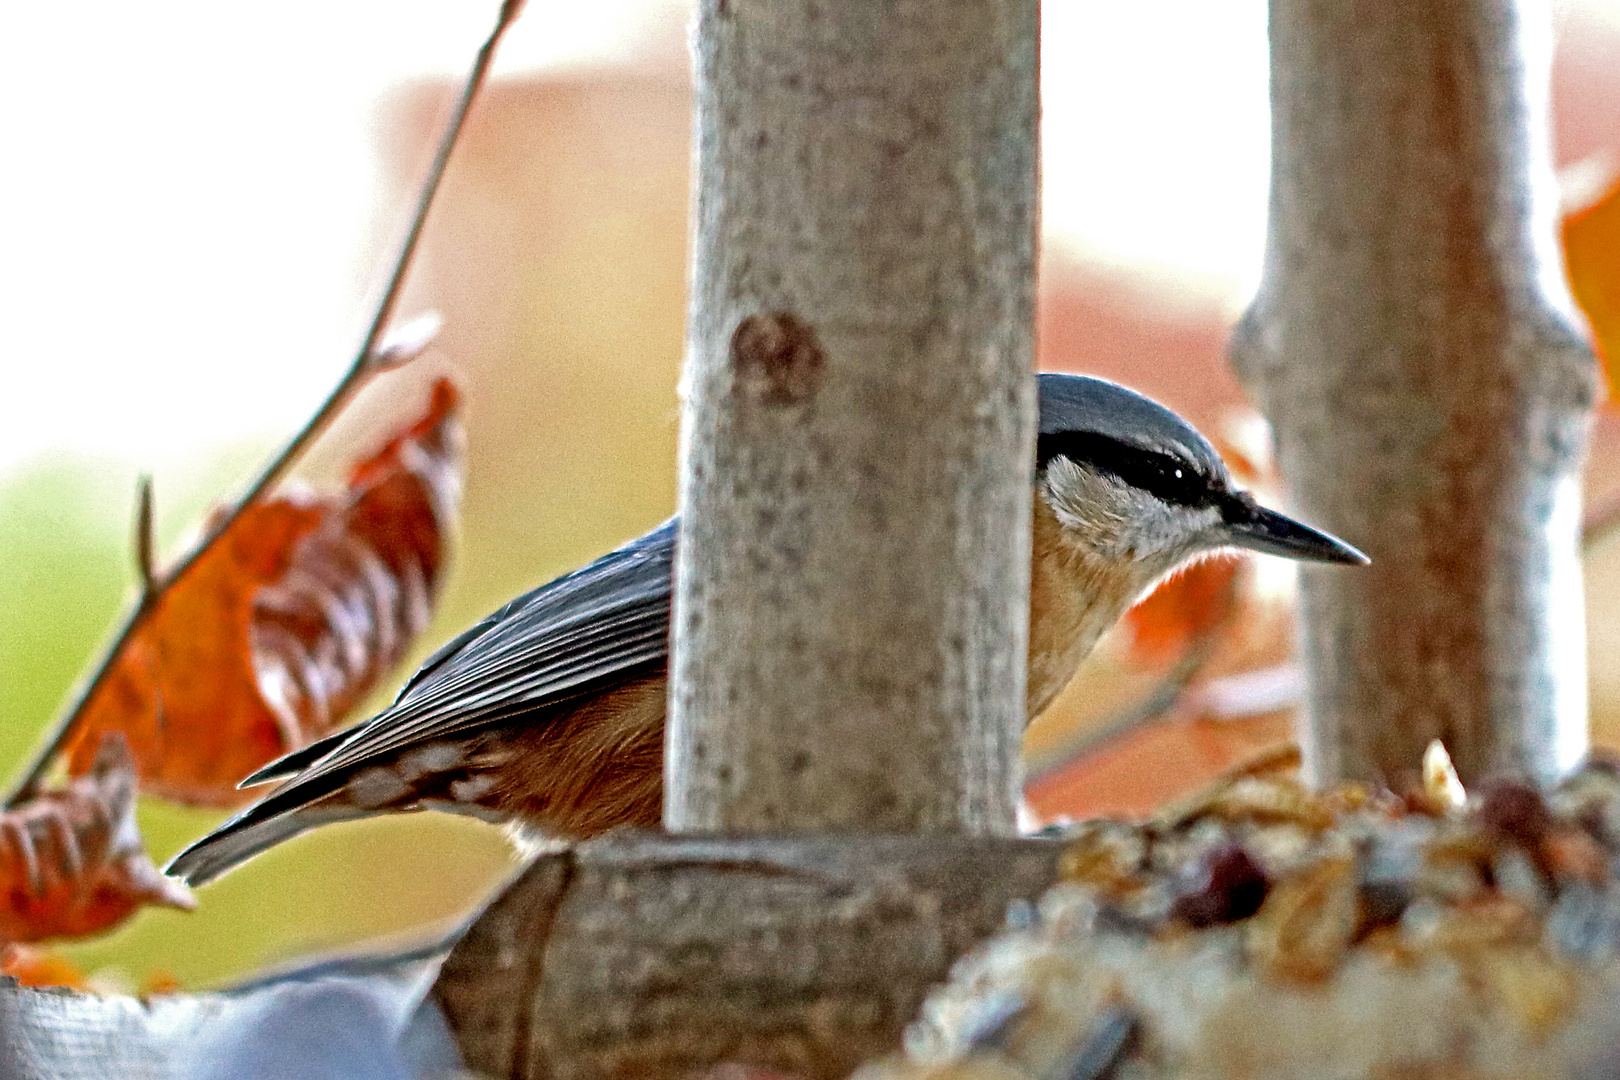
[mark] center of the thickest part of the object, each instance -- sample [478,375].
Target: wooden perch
[655,957]
[635,955]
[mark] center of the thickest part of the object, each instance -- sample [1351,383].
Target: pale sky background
[185,209]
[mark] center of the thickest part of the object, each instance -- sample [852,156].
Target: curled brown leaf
[360,587]
[283,624]
[71,859]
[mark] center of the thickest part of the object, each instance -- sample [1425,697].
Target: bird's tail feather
[300,759]
[249,833]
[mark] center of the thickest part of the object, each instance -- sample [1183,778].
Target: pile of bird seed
[1261,931]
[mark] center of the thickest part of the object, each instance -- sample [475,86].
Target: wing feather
[596,626]
[545,647]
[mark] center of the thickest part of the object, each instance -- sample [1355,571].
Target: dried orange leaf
[361,586]
[182,689]
[1305,926]
[71,860]
[284,623]
[1592,255]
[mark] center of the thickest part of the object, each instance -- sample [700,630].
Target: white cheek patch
[1119,521]
[1085,501]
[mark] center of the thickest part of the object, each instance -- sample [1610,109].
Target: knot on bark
[777,359]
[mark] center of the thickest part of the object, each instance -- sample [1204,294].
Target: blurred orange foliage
[1182,609]
[41,967]
[1151,765]
[1592,256]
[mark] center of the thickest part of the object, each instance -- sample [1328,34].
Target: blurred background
[202,199]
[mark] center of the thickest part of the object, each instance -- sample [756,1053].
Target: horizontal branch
[638,954]
[655,957]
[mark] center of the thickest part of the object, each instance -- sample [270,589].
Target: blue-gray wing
[561,640]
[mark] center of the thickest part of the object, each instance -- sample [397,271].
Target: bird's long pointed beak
[1258,529]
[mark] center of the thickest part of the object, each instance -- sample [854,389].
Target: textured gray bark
[851,607]
[657,958]
[1412,347]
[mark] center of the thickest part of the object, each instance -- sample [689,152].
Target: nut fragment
[1261,800]
[1105,856]
[1488,921]
[1455,866]
[1537,989]
[1441,785]
[1306,924]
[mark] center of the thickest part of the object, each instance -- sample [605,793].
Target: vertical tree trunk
[1412,346]
[851,607]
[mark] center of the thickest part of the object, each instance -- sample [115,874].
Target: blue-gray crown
[1097,422]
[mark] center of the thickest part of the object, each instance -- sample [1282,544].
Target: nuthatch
[550,712]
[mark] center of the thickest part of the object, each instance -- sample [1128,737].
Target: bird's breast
[1074,597]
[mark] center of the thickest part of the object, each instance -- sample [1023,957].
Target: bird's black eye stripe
[1160,475]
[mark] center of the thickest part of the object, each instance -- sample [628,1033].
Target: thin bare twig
[363,366]
[145,546]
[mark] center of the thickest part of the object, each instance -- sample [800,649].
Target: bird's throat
[1075,596]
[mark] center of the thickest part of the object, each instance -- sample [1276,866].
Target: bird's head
[1136,488]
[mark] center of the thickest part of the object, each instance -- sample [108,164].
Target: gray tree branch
[1412,345]
[658,957]
[851,607]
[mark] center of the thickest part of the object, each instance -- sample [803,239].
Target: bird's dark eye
[1158,474]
